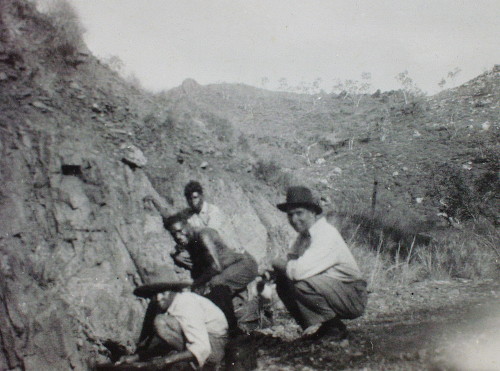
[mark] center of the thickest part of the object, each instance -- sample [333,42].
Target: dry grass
[463,255]
[392,251]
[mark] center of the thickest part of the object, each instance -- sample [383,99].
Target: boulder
[133,155]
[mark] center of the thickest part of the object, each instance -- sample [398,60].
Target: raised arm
[164,212]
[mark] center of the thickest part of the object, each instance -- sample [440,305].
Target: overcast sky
[164,42]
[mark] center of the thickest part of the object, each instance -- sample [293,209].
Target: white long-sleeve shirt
[326,253]
[209,216]
[198,317]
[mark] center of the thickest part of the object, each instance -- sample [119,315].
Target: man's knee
[303,288]
[169,329]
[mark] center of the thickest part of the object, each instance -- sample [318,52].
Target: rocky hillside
[431,154]
[76,237]
[81,149]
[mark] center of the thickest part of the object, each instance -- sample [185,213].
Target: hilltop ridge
[339,147]
[81,148]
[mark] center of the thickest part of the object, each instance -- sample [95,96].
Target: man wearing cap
[187,328]
[319,282]
[219,273]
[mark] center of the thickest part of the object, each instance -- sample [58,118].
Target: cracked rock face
[76,239]
[76,236]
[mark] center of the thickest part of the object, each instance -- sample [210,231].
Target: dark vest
[202,259]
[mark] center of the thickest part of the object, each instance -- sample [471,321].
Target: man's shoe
[235,332]
[335,329]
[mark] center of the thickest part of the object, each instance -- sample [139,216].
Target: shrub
[462,196]
[266,170]
[462,254]
[393,234]
[272,174]
[66,37]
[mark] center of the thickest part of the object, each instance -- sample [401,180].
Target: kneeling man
[187,328]
[219,273]
[320,282]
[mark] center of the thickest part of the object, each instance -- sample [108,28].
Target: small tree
[355,89]
[264,81]
[316,85]
[450,78]
[115,63]
[68,30]
[283,84]
[305,147]
[409,88]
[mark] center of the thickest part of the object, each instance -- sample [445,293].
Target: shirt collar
[204,208]
[317,226]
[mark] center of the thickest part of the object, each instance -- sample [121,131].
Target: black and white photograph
[237,185]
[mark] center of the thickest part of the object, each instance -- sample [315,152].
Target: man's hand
[150,202]
[201,289]
[184,259]
[279,265]
[216,280]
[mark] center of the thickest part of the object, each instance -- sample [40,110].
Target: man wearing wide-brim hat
[319,282]
[187,328]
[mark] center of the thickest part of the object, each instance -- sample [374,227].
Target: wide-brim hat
[151,289]
[300,196]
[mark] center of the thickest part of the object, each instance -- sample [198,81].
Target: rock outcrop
[76,240]
[76,236]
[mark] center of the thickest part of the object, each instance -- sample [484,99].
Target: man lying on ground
[320,282]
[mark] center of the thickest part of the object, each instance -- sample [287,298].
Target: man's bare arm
[207,246]
[209,238]
[164,212]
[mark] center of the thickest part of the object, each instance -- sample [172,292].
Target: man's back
[209,250]
[190,308]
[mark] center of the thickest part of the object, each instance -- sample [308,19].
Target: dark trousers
[221,296]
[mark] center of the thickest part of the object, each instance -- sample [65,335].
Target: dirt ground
[437,325]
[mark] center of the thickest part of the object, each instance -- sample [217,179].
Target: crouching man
[320,282]
[188,329]
[219,273]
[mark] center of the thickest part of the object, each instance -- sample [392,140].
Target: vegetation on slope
[74,229]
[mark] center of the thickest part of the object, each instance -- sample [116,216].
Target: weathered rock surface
[76,237]
[76,240]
